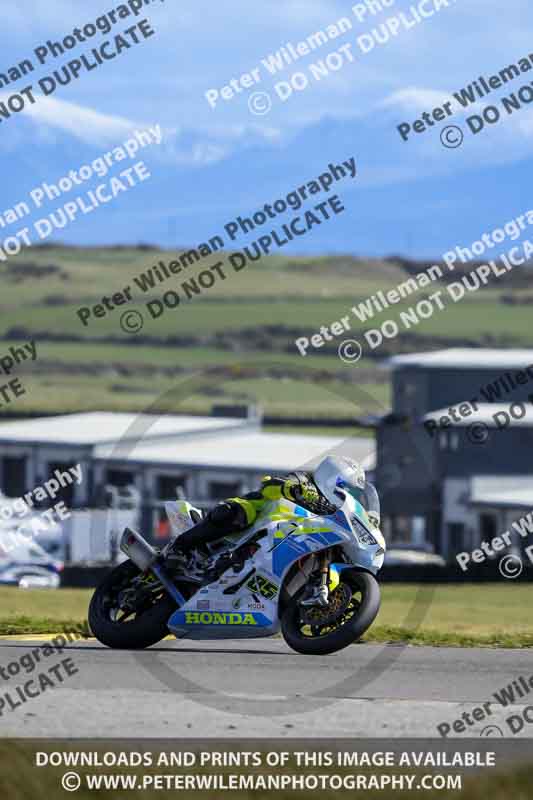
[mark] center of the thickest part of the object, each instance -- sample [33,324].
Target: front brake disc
[339,600]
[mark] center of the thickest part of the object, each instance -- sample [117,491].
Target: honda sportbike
[310,577]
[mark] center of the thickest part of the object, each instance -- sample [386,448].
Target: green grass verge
[61,605]
[26,625]
[437,638]
[380,634]
[465,615]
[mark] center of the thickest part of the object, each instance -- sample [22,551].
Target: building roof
[469,357]
[502,491]
[254,452]
[101,427]
[485,413]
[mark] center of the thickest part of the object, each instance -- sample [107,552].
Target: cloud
[168,77]
[514,127]
[195,147]
[415,99]
[85,124]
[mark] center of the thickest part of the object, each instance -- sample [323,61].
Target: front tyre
[353,607]
[129,610]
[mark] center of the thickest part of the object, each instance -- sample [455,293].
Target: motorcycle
[312,577]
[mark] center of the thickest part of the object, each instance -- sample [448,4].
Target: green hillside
[238,336]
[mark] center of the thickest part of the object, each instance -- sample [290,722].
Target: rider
[320,492]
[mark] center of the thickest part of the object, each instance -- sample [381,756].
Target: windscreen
[367,497]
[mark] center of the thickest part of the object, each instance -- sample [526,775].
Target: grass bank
[465,615]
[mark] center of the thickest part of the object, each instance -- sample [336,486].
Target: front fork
[320,596]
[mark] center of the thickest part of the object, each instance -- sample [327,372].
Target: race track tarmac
[261,688]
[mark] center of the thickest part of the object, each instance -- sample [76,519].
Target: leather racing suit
[238,513]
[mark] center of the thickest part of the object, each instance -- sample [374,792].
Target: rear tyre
[353,607]
[127,612]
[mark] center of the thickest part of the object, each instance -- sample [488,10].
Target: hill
[239,332]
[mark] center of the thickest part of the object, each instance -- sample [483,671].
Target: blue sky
[417,197]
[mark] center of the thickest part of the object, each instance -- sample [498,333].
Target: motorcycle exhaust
[138,549]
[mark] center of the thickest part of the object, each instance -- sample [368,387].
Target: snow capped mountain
[415,198]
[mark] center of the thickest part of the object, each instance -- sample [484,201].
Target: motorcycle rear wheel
[359,591]
[147,625]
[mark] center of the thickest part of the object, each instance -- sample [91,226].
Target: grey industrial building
[451,472]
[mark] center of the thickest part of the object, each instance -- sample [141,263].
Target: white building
[31,450]
[214,467]
[204,459]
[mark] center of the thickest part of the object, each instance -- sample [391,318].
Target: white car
[24,563]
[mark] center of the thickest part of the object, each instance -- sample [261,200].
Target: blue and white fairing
[245,603]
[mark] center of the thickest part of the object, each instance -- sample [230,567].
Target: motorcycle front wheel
[129,610]
[353,607]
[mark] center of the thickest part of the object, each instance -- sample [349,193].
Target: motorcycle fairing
[203,618]
[292,532]
[214,614]
[298,544]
